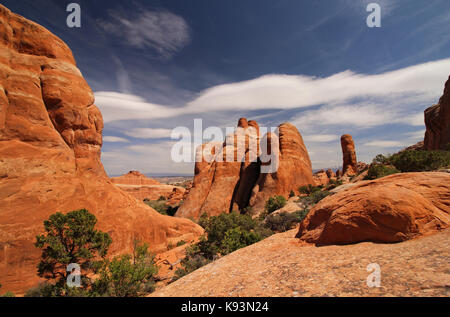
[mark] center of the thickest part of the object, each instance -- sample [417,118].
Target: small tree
[70,238]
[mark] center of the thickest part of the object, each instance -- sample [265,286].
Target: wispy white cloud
[321,138]
[115,139]
[162,31]
[420,83]
[384,143]
[287,91]
[148,133]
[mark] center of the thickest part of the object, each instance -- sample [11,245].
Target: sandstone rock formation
[141,187]
[437,122]
[51,137]
[294,169]
[134,178]
[321,178]
[390,209]
[282,267]
[349,155]
[331,174]
[223,186]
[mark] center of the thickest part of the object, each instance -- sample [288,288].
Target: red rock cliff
[437,121]
[50,143]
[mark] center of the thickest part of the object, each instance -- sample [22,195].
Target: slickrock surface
[390,209]
[349,155]
[141,187]
[280,266]
[50,143]
[437,121]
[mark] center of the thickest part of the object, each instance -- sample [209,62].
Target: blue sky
[157,65]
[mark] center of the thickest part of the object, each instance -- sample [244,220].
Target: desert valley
[231,230]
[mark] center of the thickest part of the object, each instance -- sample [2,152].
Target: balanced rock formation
[222,185]
[437,122]
[142,187]
[390,209]
[349,155]
[51,138]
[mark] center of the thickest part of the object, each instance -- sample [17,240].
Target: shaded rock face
[390,209]
[349,155]
[222,186]
[51,137]
[437,122]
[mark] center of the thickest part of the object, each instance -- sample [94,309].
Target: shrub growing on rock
[378,170]
[126,275]
[315,197]
[275,203]
[309,189]
[284,221]
[420,161]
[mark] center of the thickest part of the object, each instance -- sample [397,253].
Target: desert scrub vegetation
[275,203]
[309,189]
[224,234]
[72,238]
[7,294]
[314,197]
[281,222]
[408,161]
[227,233]
[334,183]
[161,206]
[420,161]
[378,170]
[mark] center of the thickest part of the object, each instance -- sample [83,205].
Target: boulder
[390,209]
[437,122]
[51,138]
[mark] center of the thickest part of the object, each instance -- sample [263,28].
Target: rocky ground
[281,266]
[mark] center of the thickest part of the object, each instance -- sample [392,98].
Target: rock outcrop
[141,187]
[321,178]
[50,143]
[282,267]
[349,155]
[390,209]
[437,122]
[222,186]
[134,178]
[331,174]
[294,169]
